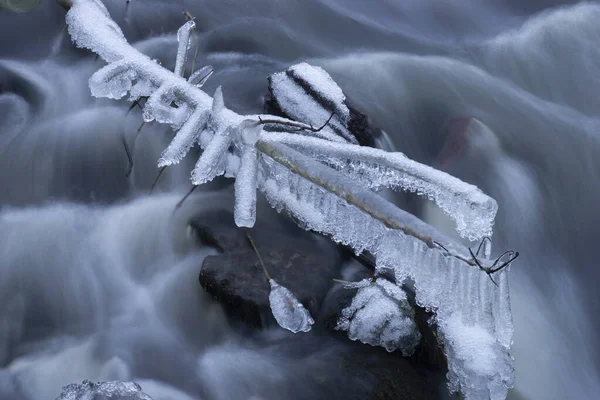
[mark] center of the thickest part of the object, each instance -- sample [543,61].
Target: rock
[298,260]
[307,94]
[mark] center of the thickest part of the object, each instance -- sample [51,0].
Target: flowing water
[98,280]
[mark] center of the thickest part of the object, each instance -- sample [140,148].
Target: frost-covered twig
[327,183]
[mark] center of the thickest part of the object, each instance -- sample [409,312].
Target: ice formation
[329,184]
[292,87]
[287,310]
[103,390]
[380,315]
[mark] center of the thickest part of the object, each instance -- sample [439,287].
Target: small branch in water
[156,179]
[136,103]
[185,197]
[129,156]
[262,264]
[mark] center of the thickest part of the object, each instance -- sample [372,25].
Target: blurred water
[97,280]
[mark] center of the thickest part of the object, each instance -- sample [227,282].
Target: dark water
[97,281]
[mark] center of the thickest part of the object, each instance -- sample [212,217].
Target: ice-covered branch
[318,175]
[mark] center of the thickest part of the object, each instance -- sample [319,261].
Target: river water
[98,280]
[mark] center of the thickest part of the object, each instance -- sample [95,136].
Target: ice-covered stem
[183,37]
[473,211]
[364,199]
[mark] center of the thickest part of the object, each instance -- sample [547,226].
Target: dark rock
[284,104]
[298,260]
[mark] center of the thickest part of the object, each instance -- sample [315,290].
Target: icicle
[287,310]
[246,180]
[212,161]
[200,77]
[183,37]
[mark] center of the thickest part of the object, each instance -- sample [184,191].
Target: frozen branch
[328,184]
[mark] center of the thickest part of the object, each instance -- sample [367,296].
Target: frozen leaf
[287,310]
[380,315]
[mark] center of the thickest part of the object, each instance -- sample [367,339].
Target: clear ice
[287,310]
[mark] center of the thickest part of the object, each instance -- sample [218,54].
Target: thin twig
[136,103]
[326,122]
[257,254]
[343,282]
[505,264]
[129,156]
[156,179]
[440,245]
[185,197]
[300,125]
[481,244]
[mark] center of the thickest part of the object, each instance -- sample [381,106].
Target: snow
[301,106]
[184,139]
[320,81]
[380,315]
[106,390]
[287,309]
[212,162]
[473,352]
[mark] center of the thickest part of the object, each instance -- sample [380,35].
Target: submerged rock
[306,93]
[103,391]
[296,259]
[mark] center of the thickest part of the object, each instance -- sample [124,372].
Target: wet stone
[302,262]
